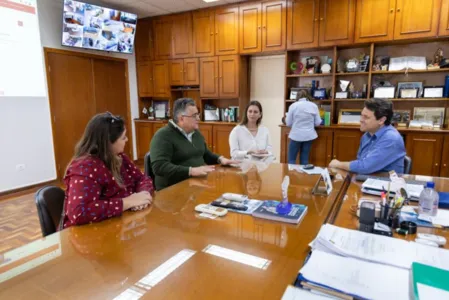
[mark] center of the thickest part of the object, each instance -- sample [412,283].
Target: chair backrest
[50,205]
[407,164]
[147,166]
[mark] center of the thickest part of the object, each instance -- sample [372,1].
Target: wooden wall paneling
[250,25]
[303,28]
[144,79]
[144,133]
[161,79]
[443,28]
[162,31]
[227,30]
[182,34]
[374,20]
[221,139]
[191,71]
[209,77]
[274,25]
[144,41]
[337,20]
[203,33]
[425,152]
[206,131]
[229,67]
[177,72]
[346,144]
[416,19]
[321,151]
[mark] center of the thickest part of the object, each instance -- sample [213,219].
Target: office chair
[407,164]
[147,166]
[50,205]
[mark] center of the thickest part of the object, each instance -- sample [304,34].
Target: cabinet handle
[316,20]
[335,156]
[321,19]
[259,27]
[211,33]
[391,10]
[398,10]
[444,166]
[436,165]
[265,27]
[216,33]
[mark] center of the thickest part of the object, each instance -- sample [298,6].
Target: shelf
[350,100]
[352,74]
[419,99]
[409,71]
[308,75]
[182,90]
[315,101]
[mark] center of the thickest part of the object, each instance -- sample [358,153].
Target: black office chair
[407,164]
[50,206]
[147,166]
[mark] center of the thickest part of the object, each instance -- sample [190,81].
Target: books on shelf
[268,211]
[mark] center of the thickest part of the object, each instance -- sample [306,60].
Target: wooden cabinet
[221,139]
[227,30]
[374,20]
[162,31]
[184,72]
[209,77]
[425,152]
[206,131]
[416,18]
[157,126]
[337,19]
[144,41]
[203,33]
[177,72]
[443,28]
[346,144]
[250,34]
[161,79]
[145,79]
[144,133]
[302,28]
[182,36]
[274,25]
[228,70]
[444,170]
[321,151]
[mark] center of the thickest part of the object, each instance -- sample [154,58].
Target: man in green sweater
[178,150]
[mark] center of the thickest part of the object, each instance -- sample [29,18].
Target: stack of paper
[294,293]
[378,249]
[441,219]
[376,186]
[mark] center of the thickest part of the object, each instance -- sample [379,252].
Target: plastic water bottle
[428,200]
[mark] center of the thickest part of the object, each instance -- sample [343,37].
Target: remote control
[230,204]
[234,197]
[426,242]
[308,167]
[439,240]
[209,209]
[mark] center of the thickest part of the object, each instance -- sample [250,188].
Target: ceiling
[149,8]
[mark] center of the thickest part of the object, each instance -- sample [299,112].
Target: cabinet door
[337,18]
[284,144]
[221,139]
[145,79]
[229,76]
[444,170]
[162,38]
[346,144]
[157,126]
[161,79]
[250,28]
[425,152]
[191,71]
[374,20]
[227,31]
[443,28]
[204,33]
[209,77]
[302,28]
[274,19]
[321,151]
[416,18]
[182,36]
[206,131]
[177,72]
[144,41]
[144,133]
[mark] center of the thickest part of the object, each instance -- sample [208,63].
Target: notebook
[429,283]
[268,211]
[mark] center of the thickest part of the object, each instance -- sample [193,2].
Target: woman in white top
[250,137]
[302,117]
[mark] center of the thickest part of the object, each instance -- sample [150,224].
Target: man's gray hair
[180,106]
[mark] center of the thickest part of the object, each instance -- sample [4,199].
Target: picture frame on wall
[401,117]
[386,92]
[349,116]
[433,92]
[434,115]
[408,93]
[410,85]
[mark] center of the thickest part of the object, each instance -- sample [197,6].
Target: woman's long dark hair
[102,131]
[245,117]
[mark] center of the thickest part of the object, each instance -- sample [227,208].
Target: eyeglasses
[196,116]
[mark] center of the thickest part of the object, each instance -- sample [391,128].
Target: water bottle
[428,200]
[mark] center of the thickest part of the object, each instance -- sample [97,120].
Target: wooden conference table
[169,252]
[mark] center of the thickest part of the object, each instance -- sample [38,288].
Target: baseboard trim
[27,189]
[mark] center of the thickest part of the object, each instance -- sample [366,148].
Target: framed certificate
[433,92]
[384,92]
[349,116]
[408,93]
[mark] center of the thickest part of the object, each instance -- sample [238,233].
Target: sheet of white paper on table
[426,292]
[294,293]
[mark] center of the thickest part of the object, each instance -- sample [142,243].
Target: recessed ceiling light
[208,1]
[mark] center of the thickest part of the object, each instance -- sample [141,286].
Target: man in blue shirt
[382,147]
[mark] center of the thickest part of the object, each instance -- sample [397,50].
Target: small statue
[438,56]
[351,88]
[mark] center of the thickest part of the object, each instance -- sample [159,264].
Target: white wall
[25,124]
[267,86]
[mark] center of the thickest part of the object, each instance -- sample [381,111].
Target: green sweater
[172,154]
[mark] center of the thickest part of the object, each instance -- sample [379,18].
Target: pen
[384,200]
[388,194]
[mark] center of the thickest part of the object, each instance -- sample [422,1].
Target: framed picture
[410,85]
[433,92]
[294,92]
[435,115]
[401,117]
[349,116]
[341,95]
[160,109]
[408,93]
[384,92]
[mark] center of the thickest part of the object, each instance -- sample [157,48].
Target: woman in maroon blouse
[101,181]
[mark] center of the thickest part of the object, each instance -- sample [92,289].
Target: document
[354,277]
[413,190]
[426,292]
[294,293]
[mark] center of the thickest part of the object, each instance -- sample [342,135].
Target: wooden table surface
[121,256]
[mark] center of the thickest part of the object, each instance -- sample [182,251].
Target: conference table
[169,251]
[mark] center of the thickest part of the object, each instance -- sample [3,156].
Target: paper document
[426,292]
[407,62]
[294,293]
[354,277]
[413,190]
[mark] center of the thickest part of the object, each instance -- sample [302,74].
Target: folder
[429,282]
